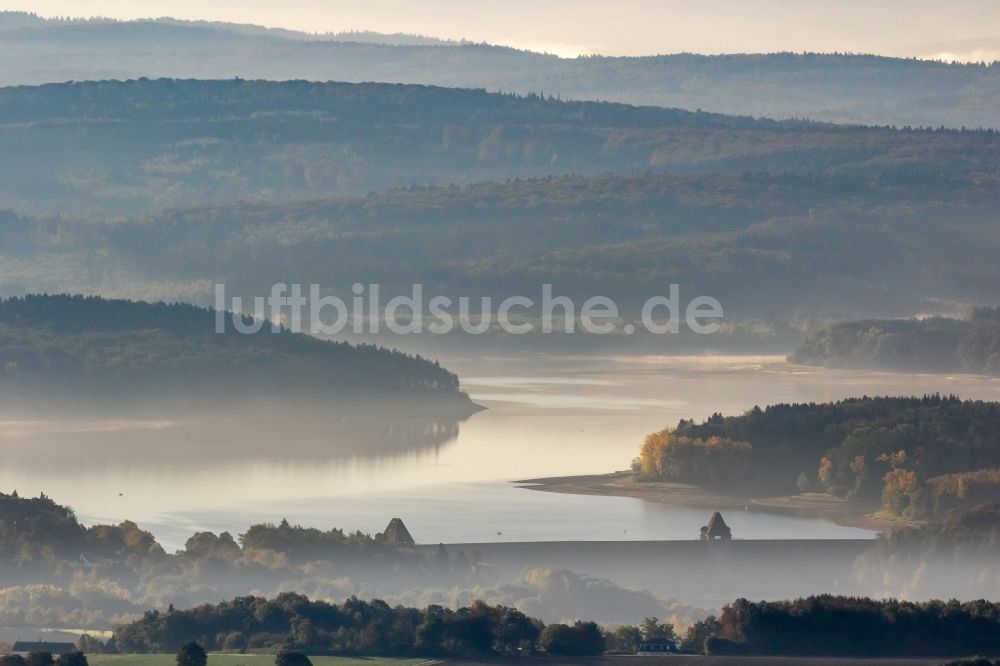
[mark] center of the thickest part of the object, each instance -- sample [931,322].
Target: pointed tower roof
[716,523]
[716,528]
[396,532]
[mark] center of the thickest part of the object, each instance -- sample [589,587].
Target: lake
[545,416]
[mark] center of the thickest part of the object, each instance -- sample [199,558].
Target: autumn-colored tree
[899,490]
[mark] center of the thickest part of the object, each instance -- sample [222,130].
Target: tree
[624,639]
[90,645]
[698,634]
[12,660]
[303,635]
[191,654]
[654,632]
[582,639]
[899,489]
[724,646]
[41,659]
[513,630]
[72,659]
[472,629]
[291,658]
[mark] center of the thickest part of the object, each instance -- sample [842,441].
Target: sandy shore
[808,505]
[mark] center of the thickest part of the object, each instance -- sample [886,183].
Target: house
[716,530]
[27,647]
[653,649]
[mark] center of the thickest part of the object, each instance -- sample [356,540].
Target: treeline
[39,658]
[934,344]
[813,244]
[37,534]
[292,621]
[833,626]
[113,147]
[920,456]
[55,346]
[162,99]
[59,573]
[355,627]
[827,86]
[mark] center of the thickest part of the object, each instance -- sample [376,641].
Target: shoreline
[808,505]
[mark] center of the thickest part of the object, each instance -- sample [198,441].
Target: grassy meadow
[239,660]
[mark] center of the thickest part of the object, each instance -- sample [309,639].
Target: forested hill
[53,347]
[785,246]
[178,100]
[921,457]
[841,88]
[107,148]
[935,344]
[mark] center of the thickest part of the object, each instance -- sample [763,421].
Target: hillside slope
[110,147]
[58,347]
[935,344]
[777,247]
[842,88]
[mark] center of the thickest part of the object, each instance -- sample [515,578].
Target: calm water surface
[449,482]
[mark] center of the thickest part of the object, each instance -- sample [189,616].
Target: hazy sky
[961,29]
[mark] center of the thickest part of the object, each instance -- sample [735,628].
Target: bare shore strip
[808,505]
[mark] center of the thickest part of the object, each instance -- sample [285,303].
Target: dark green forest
[920,457]
[934,344]
[162,187]
[782,248]
[856,627]
[833,87]
[822,626]
[292,621]
[112,147]
[88,348]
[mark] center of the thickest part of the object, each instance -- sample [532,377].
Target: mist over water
[449,481]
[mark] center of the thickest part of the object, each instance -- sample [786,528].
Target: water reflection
[449,480]
[218,442]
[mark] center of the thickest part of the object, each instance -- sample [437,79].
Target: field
[688,660]
[239,660]
[677,660]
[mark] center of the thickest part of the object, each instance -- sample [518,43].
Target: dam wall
[692,571]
